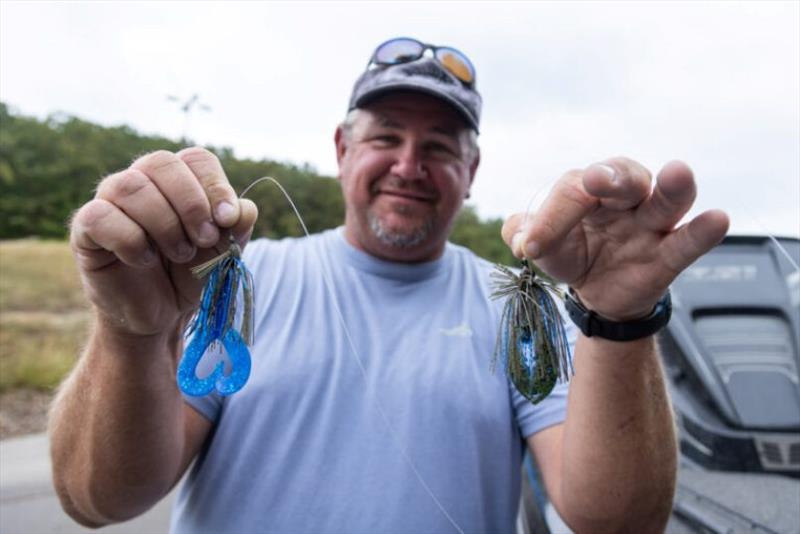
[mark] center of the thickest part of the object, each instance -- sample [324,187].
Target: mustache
[396,183]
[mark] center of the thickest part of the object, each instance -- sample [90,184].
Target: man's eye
[385,140]
[439,148]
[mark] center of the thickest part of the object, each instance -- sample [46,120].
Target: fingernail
[516,242]
[532,249]
[612,174]
[184,250]
[225,211]
[208,232]
[149,257]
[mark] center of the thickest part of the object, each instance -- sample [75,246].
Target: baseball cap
[427,75]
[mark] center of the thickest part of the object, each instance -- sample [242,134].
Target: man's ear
[340,139]
[473,168]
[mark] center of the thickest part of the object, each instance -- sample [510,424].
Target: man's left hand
[611,236]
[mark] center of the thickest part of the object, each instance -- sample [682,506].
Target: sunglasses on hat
[405,50]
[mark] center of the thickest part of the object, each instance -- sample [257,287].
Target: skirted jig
[531,344]
[229,288]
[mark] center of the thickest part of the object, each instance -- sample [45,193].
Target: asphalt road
[28,503]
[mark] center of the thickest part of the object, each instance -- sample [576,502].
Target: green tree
[49,168]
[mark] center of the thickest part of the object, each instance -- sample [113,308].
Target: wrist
[113,335]
[593,324]
[618,314]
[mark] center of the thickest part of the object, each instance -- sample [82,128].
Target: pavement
[28,502]
[728,502]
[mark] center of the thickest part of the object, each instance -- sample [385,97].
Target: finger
[683,246]
[672,197]
[511,228]
[138,197]
[184,193]
[565,206]
[619,183]
[100,228]
[243,228]
[206,166]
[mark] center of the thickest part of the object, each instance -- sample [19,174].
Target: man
[388,420]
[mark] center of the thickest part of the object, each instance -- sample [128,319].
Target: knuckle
[662,205]
[620,160]
[572,191]
[156,161]
[543,228]
[621,163]
[572,176]
[104,186]
[197,154]
[124,184]
[91,214]
[216,190]
[133,238]
[631,169]
[195,210]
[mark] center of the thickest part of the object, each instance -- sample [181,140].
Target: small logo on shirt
[462,330]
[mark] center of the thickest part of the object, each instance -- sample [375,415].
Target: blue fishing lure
[229,288]
[531,345]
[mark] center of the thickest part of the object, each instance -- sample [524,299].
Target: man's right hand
[135,242]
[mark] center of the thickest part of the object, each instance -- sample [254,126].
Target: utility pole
[186,107]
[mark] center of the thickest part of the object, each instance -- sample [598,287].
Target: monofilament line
[288,198]
[378,405]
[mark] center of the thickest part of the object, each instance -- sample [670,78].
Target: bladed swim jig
[531,342]
[229,288]
[217,324]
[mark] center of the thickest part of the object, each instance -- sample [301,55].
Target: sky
[564,85]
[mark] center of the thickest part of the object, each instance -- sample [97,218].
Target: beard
[402,238]
[407,238]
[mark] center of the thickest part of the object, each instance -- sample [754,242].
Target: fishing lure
[531,343]
[229,288]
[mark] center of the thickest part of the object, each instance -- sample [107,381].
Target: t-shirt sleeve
[208,406]
[531,418]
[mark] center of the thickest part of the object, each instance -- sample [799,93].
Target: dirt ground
[23,411]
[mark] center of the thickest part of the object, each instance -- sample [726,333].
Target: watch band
[592,324]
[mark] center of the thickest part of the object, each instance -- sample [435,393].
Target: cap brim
[384,89]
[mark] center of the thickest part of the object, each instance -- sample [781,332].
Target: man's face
[405,170]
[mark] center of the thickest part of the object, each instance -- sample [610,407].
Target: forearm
[619,450]
[116,428]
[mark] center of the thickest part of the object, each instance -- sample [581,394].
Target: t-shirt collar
[406,272]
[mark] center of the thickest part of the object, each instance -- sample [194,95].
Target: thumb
[243,229]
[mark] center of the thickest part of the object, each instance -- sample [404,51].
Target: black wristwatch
[592,324]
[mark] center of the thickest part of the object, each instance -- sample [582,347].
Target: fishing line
[774,240]
[533,197]
[378,405]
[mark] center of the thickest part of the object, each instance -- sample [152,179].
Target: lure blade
[531,344]
[229,287]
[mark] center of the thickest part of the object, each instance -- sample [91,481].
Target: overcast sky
[564,84]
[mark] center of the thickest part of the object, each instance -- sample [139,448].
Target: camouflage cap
[425,75]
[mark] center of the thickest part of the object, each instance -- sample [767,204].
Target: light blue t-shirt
[304,447]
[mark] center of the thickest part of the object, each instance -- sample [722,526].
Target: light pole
[186,107]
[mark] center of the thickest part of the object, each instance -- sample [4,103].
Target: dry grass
[40,276]
[38,349]
[43,314]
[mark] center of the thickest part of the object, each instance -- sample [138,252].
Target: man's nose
[409,163]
